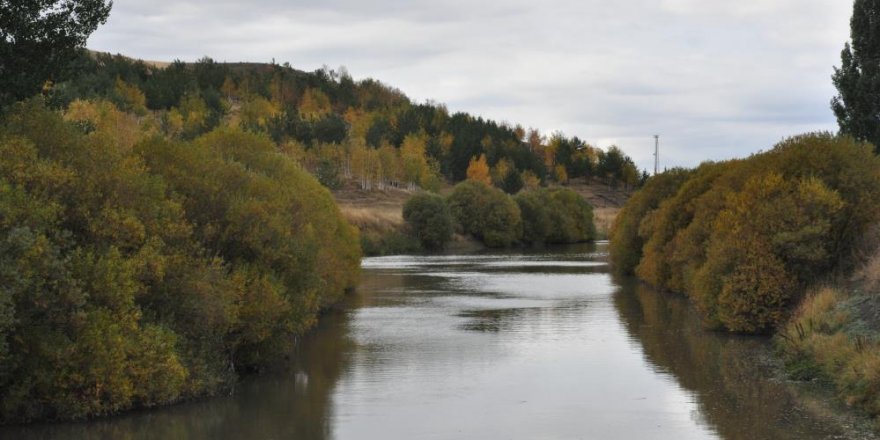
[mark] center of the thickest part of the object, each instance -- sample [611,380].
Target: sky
[716,79]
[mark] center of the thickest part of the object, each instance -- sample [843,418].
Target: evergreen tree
[857,105]
[39,38]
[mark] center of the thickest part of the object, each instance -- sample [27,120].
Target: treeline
[532,217]
[744,238]
[138,269]
[344,129]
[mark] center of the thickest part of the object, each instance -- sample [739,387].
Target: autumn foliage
[743,238]
[138,269]
[341,129]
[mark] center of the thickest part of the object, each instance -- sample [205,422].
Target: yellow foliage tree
[478,170]
[390,166]
[113,126]
[195,115]
[560,174]
[501,170]
[130,98]
[257,112]
[314,105]
[413,159]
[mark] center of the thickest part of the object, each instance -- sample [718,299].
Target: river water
[499,346]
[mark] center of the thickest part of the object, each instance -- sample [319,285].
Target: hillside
[364,140]
[340,129]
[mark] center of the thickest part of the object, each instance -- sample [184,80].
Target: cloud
[717,79]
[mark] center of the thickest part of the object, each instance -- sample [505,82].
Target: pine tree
[857,105]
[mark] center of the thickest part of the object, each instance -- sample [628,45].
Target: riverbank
[834,338]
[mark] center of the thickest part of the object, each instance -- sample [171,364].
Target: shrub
[743,237]
[626,243]
[138,277]
[429,219]
[487,213]
[555,216]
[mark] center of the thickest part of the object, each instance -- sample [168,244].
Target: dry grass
[827,338]
[379,219]
[869,274]
[604,218]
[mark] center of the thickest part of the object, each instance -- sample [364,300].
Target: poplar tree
[857,105]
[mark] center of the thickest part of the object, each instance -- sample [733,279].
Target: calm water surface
[501,346]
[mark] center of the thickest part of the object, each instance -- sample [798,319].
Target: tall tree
[39,38]
[857,105]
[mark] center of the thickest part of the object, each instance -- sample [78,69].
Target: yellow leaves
[314,105]
[195,113]
[744,237]
[502,170]
[560,174]
[172,123]
[530,180]
[389,159]
[257,112]
[773,235]
[416,169]
[114,127]
[754,296]
[130,97]
[478,170]
[116,302]
[359,122]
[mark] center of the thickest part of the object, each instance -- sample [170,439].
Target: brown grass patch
[379,219]
[604,218]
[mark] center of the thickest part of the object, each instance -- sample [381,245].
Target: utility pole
[656,153]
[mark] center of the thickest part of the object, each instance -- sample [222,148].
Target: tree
[857,105]
[478,170]
[556,215]
[38,40]
[430,220]
[485,212]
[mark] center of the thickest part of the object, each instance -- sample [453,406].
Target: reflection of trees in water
[291,404]
[734,393]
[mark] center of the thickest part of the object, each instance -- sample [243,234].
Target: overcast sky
[715,78]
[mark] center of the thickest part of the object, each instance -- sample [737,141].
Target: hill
[340,129]
[366,141]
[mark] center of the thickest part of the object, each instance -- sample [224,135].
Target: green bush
[556,215]
[487,213]
[429,219]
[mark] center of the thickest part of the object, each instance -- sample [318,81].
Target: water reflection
[543,345]
[733,377]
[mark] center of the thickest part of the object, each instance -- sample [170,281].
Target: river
[535,345]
